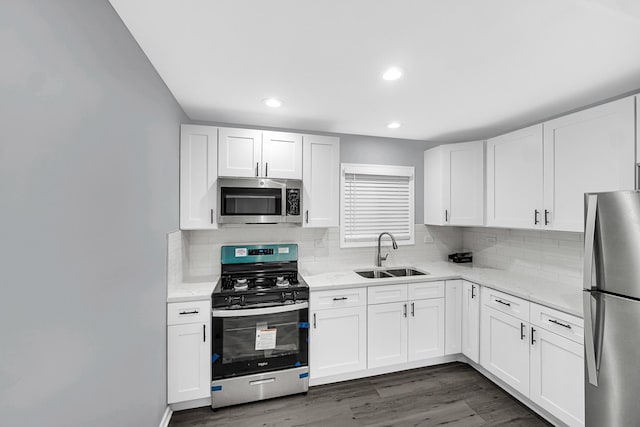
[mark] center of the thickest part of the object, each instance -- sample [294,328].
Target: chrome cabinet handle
[204,333]
[307,216]
[532,338]
[499,301]
[211,216]
[473,290]
[405,310]
[546,217]
[413,312]
[535,217]
[257,163]
[314,321]
[564,325]
[446,215]
[266,169]
[522,330]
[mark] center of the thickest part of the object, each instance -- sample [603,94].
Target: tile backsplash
[201,254]
[553,255]
[174,258]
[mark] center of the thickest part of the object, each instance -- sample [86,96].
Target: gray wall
[89,189]
[388,151]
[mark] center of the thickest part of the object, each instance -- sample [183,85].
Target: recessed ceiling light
[272,102]
[393,73]
[393,125]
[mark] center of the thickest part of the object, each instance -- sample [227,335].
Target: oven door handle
[246,312]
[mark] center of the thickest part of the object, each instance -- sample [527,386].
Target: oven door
[247,341]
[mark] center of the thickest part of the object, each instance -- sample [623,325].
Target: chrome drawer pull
[564,325]
[188,312]
[340,299]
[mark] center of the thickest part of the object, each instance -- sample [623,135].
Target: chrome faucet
[395,246]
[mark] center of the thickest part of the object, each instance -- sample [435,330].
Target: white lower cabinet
[338,341]
[504,349]
[471,320]
[188,351]
[405,330]
[453,317]
[387,334]
[426,329]
[338,336]
[542,359]
[557,376]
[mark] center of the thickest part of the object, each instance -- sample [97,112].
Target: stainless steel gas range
[260,321]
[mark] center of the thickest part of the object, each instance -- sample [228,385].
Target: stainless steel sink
[374,274]
[386,273]
[400,272]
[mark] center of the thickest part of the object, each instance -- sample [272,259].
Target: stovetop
[259,276]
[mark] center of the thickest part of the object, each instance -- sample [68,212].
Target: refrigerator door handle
[589,342]
[589,237]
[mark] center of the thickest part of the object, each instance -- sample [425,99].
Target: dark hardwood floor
[453,394]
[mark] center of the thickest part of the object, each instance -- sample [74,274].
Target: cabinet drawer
[338,298]
[387,293]
[506,303]
[558,322]
[179,313]
[426,290]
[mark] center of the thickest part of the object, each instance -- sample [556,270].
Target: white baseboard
[166,417]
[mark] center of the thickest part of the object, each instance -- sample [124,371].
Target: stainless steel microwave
[259,201]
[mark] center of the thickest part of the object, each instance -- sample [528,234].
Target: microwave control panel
[293,201]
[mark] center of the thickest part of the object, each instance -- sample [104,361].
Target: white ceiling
[473,68]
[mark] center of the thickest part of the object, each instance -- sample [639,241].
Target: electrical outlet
[428,238]
[318,243]
[490,240]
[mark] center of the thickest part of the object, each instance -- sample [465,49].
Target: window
[376,198]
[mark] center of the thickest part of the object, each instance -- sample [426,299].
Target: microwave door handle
[283,204]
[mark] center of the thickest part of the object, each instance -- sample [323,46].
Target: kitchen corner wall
[89,185]
[552,255]
[318,247]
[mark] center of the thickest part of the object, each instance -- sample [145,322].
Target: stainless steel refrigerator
[612,308]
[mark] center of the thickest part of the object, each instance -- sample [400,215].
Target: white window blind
[376,198]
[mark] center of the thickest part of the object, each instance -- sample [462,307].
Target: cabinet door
[426,329]
[453,317]
[282,155]
[239,152]
[557,376]
[198,177]
[387,334]
[586,152]
[463,179]
[471,321]
[188,362]
[338,341]
[514,179]
[321,181]
[504,349]
[434,186]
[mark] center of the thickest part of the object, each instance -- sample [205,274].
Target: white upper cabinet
[514,179]
[454,184]
[588,151]
[254,153]
[240,152]
[320,181]
[198,177]
[281,155]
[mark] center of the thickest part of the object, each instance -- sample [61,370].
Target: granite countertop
[539,290]
[191,291]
